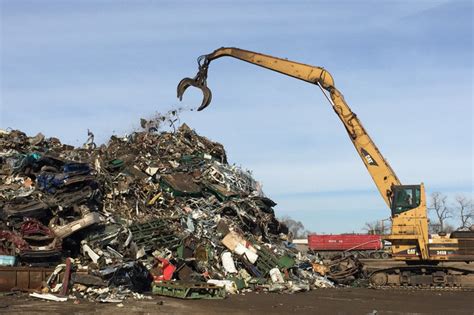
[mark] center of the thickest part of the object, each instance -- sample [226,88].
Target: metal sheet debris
[152,211]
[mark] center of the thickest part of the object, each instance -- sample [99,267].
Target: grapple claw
[187,82]
[183,85]
[207,98]
[199,81]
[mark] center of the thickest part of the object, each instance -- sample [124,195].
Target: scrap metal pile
[152,211]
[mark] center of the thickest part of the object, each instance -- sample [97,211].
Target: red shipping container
[342,242]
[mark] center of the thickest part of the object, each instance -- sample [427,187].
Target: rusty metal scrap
[124,210]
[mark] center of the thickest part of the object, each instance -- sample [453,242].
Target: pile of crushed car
[153,211]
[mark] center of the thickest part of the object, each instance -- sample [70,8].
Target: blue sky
[405,67]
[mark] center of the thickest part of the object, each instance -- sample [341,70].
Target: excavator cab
[405,197]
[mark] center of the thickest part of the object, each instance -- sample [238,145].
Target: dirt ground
[322,301]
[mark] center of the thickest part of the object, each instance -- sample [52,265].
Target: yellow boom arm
[381,172]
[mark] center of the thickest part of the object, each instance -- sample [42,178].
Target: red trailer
[362,245]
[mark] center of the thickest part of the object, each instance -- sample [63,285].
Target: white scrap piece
[95,257]
[151,170]
[111,300]
[228,262]
[276,276]
[49,297]
[323,282]
[140,253]
[228,285]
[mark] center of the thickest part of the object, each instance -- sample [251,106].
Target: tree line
[450,215]
[446,215]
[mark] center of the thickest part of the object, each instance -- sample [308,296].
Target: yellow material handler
[423,253]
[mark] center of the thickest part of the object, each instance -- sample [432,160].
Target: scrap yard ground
[321,301]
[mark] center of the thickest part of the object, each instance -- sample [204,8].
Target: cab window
[405,198]
[417,196]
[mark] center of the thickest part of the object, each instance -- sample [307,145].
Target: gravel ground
[323,301]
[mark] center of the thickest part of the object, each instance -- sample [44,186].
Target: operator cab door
[405,198]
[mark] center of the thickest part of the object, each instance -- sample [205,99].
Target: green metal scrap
[220,191]
[239,282]
[115,164]
[154,234]
[266,261]
[182,290]
[195,159]
[286,262]
[180,185]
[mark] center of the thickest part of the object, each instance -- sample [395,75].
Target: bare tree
[439,206]
[377,227]
[465,211]
[296,228]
